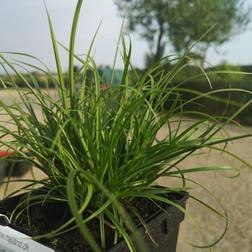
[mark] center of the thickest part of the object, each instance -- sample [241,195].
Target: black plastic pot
[13,168]
[163,227]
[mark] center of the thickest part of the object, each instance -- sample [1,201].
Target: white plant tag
[14,241]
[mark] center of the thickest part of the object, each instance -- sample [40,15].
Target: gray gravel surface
[234,194]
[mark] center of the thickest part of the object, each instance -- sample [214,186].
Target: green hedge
[227,102]
[191,78]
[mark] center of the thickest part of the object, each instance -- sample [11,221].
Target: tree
[206,22]
[150,18]
[182,22]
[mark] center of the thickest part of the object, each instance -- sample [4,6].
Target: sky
[24,28]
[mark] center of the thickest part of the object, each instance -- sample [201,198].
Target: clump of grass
[100,148]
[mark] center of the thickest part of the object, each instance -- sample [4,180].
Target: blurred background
[24,28]
[218,34]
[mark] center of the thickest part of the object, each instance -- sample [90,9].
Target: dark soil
[51,216]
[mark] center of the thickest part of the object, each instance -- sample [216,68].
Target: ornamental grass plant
[99,148]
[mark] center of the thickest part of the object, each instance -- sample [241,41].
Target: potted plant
[101,156]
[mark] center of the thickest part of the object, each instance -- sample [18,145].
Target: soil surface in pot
[49,217]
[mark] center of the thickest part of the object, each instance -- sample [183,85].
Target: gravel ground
[234,194]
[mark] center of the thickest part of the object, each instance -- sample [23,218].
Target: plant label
[14,241]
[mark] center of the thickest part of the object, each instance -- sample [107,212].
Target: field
[234,194]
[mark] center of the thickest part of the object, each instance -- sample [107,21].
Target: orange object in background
[104,86]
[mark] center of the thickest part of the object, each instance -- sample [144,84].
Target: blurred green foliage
[181,23]
[224,76]
[190,78]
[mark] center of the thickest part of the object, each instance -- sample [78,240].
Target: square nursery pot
[162,225]
[13,167]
